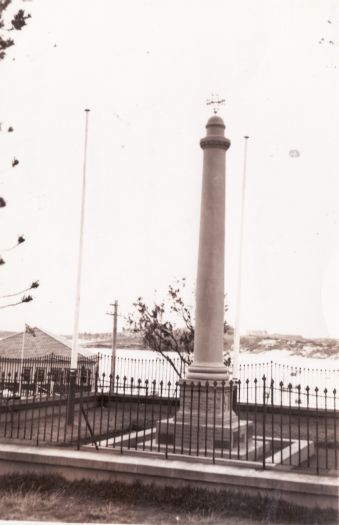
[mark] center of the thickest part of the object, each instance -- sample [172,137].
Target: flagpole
[23,346]
[22,355]
[74,355]
[236,346]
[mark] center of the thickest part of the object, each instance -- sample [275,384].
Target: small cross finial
[215,101]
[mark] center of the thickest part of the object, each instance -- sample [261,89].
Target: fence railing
[156,368]
[311,376]
[127,415]
[44,370]
[29,376]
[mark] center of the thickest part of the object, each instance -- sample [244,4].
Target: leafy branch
[161,334]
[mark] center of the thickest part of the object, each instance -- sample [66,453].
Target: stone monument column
[209,319]
[205,417]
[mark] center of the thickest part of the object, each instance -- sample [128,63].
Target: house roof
[41,345]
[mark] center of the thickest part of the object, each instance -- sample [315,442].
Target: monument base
[205,420]
[192,438]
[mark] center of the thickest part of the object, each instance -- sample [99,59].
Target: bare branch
[35,284]
[19,241]
[24,299]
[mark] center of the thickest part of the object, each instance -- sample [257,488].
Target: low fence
[159,368]
[28,377]
[51,372]
[313,377]
[292,377]
[156,368]
[126,415]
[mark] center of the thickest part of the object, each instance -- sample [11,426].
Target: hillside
[104,340]
[294,345]
[253,343]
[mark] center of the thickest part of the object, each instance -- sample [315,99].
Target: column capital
[215,141]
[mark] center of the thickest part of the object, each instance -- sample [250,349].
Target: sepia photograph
[169,262]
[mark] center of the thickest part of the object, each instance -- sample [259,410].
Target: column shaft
[209,318]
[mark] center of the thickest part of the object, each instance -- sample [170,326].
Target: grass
[50,498]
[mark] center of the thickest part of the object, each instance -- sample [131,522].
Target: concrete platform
[292,453]
[300,489]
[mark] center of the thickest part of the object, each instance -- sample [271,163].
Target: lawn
[51,498]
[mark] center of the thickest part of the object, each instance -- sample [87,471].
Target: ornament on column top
[215,101]
[215,136]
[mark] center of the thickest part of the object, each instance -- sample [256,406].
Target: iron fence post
[264,423]
[71,396]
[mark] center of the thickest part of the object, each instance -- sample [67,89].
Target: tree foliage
[8,24]
[167,326]
[15,23]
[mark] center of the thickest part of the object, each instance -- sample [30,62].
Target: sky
[145,68]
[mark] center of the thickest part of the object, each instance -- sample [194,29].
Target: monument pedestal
[205,420]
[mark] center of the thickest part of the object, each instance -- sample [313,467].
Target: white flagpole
[23,346]
[236,346]
[74,356]
[22,356]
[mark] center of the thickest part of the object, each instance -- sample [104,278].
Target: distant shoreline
[253,343]
[131,346]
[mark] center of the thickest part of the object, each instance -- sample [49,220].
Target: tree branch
[24,299]
[35,284]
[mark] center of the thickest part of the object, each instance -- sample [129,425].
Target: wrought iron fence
[260,425]
[158,369]
[290,374]
[51,370]
[43,374]
[155,368]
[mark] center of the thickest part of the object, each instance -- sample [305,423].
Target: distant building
[42,344]
[257,333]
[40,361]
